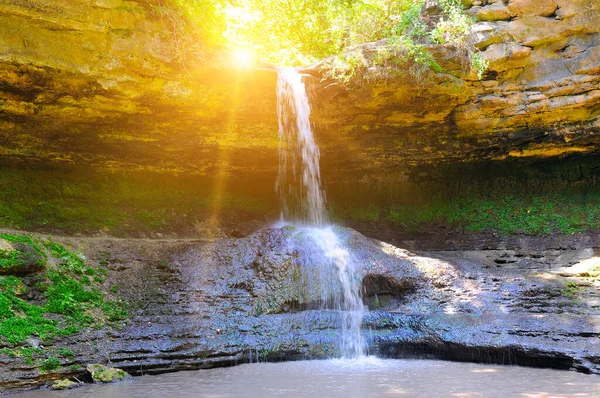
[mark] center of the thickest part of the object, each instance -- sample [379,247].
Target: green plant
[347,66]
[30,252]
[29,353]
[570,289]
[67,353]
[479,63]
[50,364]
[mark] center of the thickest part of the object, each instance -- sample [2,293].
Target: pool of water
[365,377]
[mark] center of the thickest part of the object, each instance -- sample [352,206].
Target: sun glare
[243,59]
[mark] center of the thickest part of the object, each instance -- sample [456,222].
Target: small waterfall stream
[303,202]
[299,179]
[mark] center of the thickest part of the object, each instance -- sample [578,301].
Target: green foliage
[299,32]
[454,26]
[67,291]
[409,36]
[303,31]
[479,64]
[50,364]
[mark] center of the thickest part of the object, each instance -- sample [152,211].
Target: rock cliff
[100,83]
[97,81]
[540,96]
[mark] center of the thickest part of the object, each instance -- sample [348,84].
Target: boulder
[65,384]
[105,374]
[18,258]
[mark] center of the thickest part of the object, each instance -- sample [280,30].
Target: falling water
[303,202]
[302,199]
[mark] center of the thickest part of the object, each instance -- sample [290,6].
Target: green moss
[66,291]
[105,374]
[27,251]
[567,211]
[84,201]
[64,384]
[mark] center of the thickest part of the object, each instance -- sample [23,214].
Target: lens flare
[243,59]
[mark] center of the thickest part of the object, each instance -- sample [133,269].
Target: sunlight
[243,58]
[587,268]
[486,370]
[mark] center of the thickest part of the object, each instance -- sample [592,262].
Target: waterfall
[299,179]
[303,202]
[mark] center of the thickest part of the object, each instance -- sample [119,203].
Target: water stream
[303,203]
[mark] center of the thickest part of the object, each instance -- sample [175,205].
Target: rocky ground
[198,304]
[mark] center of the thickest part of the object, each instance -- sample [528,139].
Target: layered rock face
[98,81]
[101,83]
[540,96]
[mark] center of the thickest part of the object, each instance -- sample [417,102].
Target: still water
[364,377]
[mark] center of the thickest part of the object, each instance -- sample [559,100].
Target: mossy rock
[65,384]
[20,258]
[105,374]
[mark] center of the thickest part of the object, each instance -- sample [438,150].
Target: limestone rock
[494,12]
[431,7]
[65,384]
[200,307]
[485,33]
[528,8]
[105,374]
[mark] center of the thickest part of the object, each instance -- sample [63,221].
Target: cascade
[303,203]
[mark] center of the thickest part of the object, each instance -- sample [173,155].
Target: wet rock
[232,301]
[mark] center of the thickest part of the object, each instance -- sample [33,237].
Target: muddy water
[366,377]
